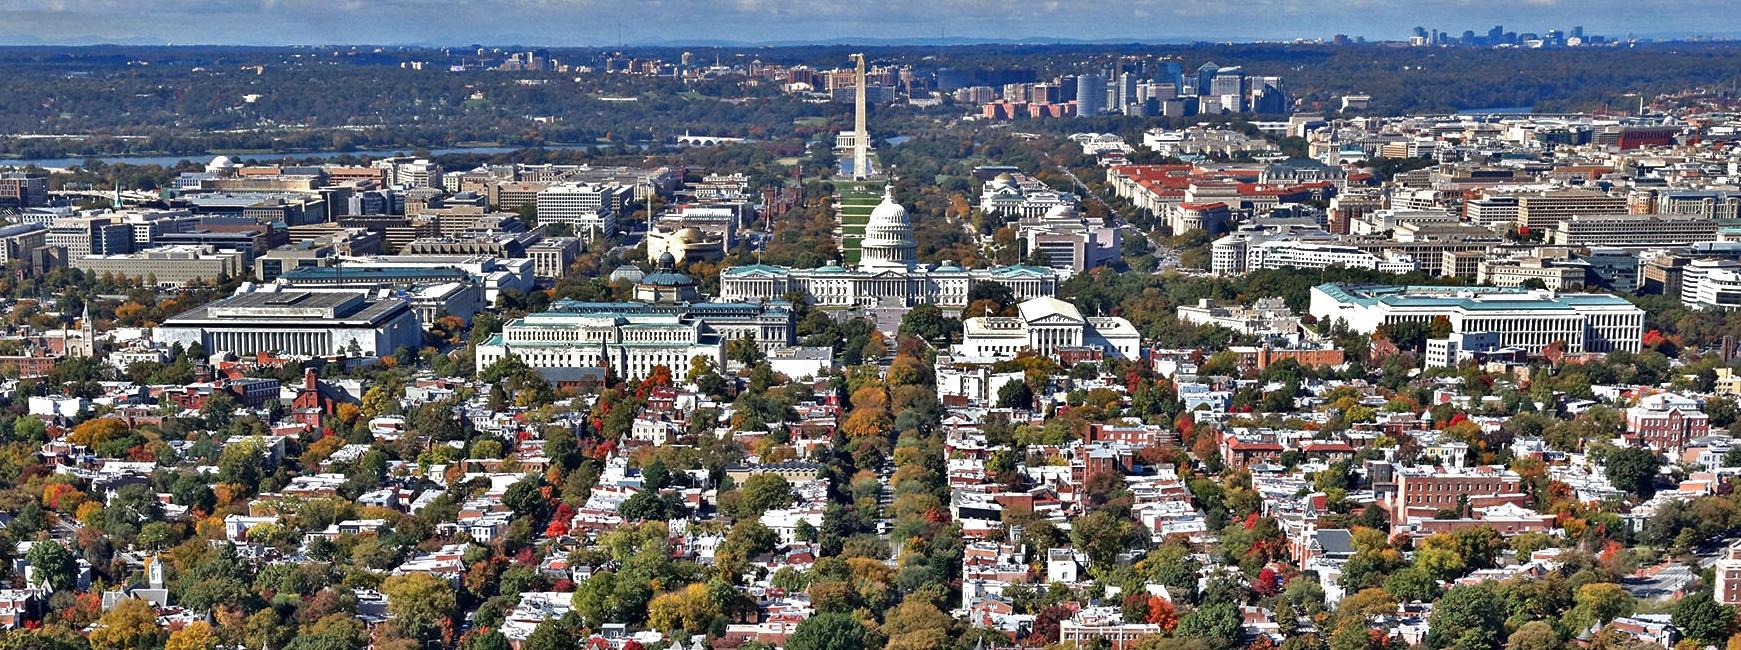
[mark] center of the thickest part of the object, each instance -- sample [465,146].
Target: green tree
[1468,617]
[1597,604]
[1701,619]
[648,505]
[1535,635]
[1015,395]
[219,410]
[928,322]
[1634,470]
[52,565]
[553,634]
[764,492]
[1413,584]
[240,463]
[830,631]
[1218,623]
[1102,535]
[526,498]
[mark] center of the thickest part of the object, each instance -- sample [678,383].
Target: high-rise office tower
[1170,72]
[1269,96]
[1228,81]
[1126,94]
[1090,94]
[1205,77]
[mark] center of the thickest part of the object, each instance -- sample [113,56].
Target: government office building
[296,323]
[1530,319]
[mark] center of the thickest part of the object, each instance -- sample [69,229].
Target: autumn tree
[916,625]
[421,604]
[691,609]
[197,635]
[97,431]
[131,624]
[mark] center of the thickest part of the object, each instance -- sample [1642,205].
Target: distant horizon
[8,42]
[764,23]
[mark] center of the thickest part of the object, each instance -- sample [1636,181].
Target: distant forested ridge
[191,100]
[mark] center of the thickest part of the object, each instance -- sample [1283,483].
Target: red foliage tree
[1046,627]
[1162,613]
[1268,583]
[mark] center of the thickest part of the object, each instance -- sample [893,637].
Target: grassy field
[856,200]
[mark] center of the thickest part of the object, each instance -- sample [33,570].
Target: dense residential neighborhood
[1265,372]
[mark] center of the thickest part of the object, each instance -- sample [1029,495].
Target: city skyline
[560,23]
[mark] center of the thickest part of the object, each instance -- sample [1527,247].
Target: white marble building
[888,274]
[1046,325]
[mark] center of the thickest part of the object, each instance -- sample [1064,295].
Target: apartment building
[1425,491]
[1666,422]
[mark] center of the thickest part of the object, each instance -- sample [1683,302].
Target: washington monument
[860,135]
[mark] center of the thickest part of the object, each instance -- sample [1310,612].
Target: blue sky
[597,22]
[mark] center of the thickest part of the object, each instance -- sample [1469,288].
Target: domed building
[222,165]
[665,284]
[888,273]
[1021,196]
[687,245]
[888,237]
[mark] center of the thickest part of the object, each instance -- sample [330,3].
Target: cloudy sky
[597,22]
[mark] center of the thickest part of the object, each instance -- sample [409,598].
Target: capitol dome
[889,212]
[888,236]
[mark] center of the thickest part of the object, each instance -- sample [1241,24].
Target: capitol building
[888,274]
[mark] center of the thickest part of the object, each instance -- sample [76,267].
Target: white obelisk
[860,134]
